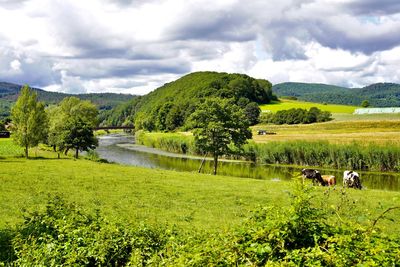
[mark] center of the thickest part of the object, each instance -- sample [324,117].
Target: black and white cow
[351,179]
[314,175]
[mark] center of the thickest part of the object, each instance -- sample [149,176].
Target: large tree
[29,120]
[219,126]
[72,118]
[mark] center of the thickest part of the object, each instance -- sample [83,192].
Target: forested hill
[168,106]
[378,95]
[9,93]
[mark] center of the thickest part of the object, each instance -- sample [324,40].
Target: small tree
[29,120]
[365,104]
[252,111]
[219,125]
[79,136]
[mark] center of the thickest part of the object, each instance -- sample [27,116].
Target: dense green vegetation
[169,106]
[378,95]
[297,116]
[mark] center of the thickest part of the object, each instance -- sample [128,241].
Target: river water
[120,148]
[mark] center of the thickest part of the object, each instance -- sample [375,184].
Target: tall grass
[321,153]
[355,156]
[171,142]
[9,149]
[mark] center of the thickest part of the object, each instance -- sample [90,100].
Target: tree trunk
[76,153]
[202,163]
[26,151]
[66,151]
[215,164]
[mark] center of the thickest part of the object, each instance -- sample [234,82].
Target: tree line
[68,125]
[297,116]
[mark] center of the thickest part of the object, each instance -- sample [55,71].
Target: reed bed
[355,155]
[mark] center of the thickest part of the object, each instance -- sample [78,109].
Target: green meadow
[133,194]
[139,216]
[289,104]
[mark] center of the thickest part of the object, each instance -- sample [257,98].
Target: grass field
[376,131]
[9,149]
[288,104]
[131,194]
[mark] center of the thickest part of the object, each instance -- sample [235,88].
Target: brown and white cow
[314,175]
[351,179]
[329,179]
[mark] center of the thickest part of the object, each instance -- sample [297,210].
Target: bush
[298,116]
[65,235]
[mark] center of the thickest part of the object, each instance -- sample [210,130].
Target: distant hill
[173,102]
[105,101]
[378,95]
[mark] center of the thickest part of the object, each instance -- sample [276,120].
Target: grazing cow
[351,179]
[329,179]
[314,175]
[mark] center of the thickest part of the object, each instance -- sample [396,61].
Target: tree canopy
[219,126]
[169,107]
[71,125]
[29,120]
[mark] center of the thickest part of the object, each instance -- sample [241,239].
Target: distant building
[376,110]
[4,134]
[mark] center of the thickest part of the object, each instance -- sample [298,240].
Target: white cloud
[135,45]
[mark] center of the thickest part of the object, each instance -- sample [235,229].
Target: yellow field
[334,131]
[288,104]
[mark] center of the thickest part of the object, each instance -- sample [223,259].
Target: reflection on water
[110,148]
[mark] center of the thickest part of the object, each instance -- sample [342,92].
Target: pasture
[133,195]
[9,149]
[289,104]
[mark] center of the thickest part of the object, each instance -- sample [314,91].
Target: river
[120,148]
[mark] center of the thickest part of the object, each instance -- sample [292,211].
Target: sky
[135,46]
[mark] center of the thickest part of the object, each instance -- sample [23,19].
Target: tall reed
[321,153]
[354,156]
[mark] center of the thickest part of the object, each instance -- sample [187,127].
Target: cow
[314,175]
[329,179]
[351,179]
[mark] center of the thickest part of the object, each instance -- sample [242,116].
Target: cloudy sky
[134,46]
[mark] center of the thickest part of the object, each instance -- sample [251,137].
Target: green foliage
[65,235]
[78,135]
[365,103]
[71,125]
[252,112]
[218,125]
[297,116]
[378,95]
[168,107]
[30,122]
